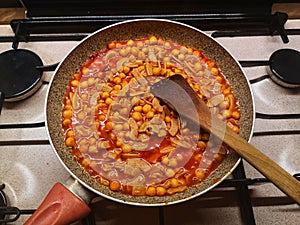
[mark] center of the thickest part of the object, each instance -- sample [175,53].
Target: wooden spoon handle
[177,93]
[276,174]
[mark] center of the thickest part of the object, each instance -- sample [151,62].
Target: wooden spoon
[177,94]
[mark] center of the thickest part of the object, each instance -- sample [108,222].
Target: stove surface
[29,167]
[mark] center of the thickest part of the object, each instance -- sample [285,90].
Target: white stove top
[29,169]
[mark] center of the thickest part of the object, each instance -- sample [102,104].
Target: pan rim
[133,202]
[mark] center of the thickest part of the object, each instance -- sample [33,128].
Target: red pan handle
[60,207]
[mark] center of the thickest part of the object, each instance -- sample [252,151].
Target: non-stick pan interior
[176,32]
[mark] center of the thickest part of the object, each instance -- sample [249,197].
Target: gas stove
[29,167]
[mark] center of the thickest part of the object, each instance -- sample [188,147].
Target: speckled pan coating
[140,29]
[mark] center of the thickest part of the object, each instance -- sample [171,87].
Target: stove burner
[285,67]
[3,201]
[20,75]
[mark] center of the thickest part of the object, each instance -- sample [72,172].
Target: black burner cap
[285,66]
[19,76]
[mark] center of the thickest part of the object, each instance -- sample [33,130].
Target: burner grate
[25,30]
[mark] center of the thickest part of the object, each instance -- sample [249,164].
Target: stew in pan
[130,141]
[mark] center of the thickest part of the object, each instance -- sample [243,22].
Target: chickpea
[201,144]
[84,148]
[145,50]
[124,111]
[141,55]
[236,114]
[122,75]
[108,101]
[82,142]
[151,191]
[150,115]
[75,83]
[214,71]
[138,108]
[114,185]
[116,114]
[84,96]
[236,129]
[76,76]
[146,108]
[219,79]
[153,40]
[93,149]
[119,143]
[167,119]
[126,69]
[104,95]
[226,114]
[200,174]
[139,44]
[197,53]
[117,80]
[66,122]
[70,142]
[109,125]
[156,71]
[165,160]
[111,45]
[125,126]
[170,172]
[126,148]
[85,70]
[173,162]
[92,140]
[134,51]
[67,114]
[118,45]
[130,42]
[81,115]
[160,191]
[175,52]
[118,127]
[121,135]
[70,133]
[101,117]
[181,57]
[198,66]
[86,162]
[137,116]
[211,64]
[84,84]
[167,45]
[174,182]
[91,81]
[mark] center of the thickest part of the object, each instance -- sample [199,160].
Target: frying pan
[133,29]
